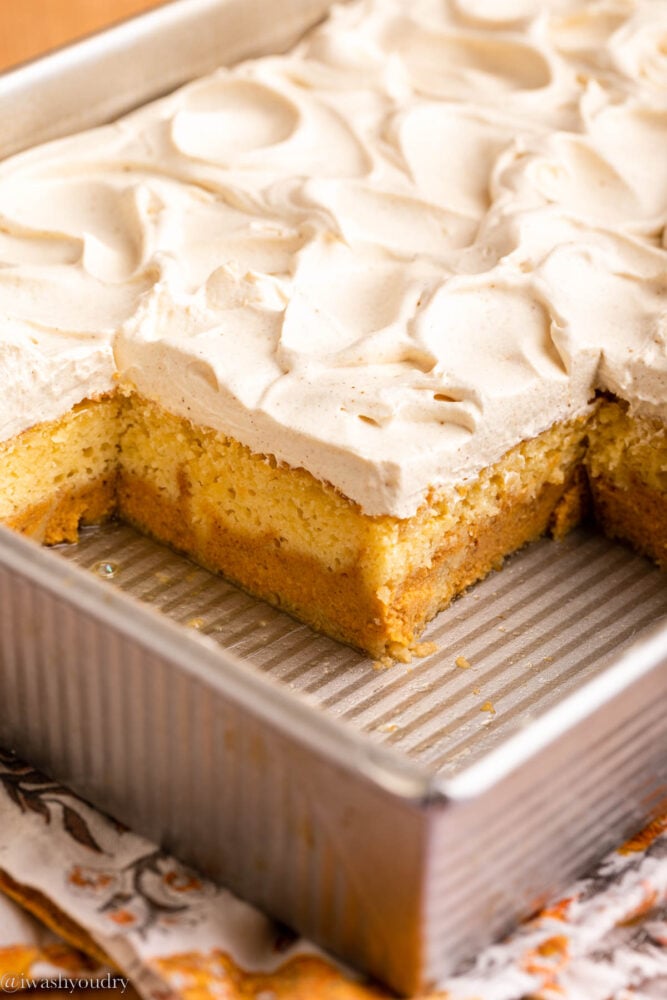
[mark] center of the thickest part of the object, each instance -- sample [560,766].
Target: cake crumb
[195,623]
[396,653]
[400,653]
[461,662]
[424,648]
[489,707]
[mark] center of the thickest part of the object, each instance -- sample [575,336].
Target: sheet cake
[351,324]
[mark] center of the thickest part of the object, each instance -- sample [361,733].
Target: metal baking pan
[402,818]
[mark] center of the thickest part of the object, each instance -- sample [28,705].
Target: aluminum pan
[97,683]
[221,670]
[210,758]
[557,618]
[161,735]
[147,55]
[138,60]
[273,700]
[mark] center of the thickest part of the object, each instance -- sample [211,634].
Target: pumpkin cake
[350,324]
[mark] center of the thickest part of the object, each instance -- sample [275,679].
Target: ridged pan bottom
[507,650]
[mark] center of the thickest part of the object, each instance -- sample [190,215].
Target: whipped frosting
[433,229]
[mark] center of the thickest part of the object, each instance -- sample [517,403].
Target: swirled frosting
[433,229]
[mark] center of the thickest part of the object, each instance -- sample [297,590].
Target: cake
[349,325]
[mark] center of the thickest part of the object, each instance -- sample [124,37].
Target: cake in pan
[351,324]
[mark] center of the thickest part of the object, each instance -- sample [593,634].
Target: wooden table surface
[30,27]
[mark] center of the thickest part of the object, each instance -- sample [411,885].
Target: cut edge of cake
[373,582]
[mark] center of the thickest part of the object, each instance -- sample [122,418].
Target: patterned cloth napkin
[31,955]
[118,907]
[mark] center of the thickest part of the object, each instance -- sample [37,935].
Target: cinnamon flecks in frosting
[433,229]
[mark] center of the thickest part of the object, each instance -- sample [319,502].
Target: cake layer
[637,515]
[373,582]
[58,519]
[61,473]
[627,465]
